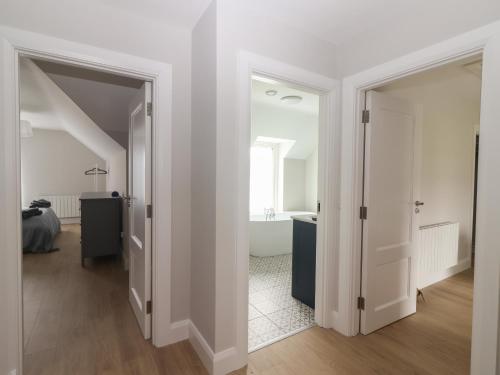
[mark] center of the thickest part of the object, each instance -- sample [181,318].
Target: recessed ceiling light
[271,92]
[291,99]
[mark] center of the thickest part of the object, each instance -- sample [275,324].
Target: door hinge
[149,307]
[149,211]
[149,108]
[363,212]
[361,303]
[318,207]
[365,116]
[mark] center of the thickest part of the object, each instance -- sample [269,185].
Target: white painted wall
[245,29]
[294,185]
[449,99]
[311,182]
[203,174]
[131,33]
[53,162]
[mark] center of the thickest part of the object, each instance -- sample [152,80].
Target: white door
[389,231]
[139,223]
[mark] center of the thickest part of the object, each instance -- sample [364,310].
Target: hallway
[78,321]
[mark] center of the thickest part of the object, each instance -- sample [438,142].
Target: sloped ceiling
[46,106]
[273,118]
[103,97]
[338,21]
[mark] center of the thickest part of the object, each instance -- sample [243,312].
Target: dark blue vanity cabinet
[304,261]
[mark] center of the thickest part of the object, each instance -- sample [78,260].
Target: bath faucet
[270,214]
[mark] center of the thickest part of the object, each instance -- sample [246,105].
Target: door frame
[15,43]
[328,185]
[457,48]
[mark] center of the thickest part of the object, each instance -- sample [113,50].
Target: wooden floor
[78,321]
[435,340]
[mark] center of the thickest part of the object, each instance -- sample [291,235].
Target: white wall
[243,29]
[294,185]
[203,173]
[450,103]
[131,33]
[311,182]
[53,162]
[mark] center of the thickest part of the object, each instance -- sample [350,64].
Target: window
[263,177]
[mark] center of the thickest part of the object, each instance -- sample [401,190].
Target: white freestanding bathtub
[272,237]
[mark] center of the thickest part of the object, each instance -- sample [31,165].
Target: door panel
[389,233]
[140,196]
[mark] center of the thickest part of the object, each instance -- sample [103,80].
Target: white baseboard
[219,363]
[13,372]
[179,331]
[444,274]
[70,220]
[201,347]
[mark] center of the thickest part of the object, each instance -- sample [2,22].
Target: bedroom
[76,195]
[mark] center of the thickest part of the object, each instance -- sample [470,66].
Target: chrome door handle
[418,203]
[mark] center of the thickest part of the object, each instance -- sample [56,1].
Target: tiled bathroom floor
[272,312]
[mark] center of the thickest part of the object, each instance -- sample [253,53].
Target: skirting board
[179,331]
[219,363]
[436,277]
[70,220]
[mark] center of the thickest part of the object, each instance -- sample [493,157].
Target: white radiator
[65,206]
[438,256]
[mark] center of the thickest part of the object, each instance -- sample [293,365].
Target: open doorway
[283,210]
[419,196]
[86,176]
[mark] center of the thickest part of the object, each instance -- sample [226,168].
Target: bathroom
[283,207]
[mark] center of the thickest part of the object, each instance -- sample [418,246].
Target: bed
[39,232]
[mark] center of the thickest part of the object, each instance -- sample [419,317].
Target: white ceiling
[46,106]
[309,103]
[273,118]
[335,21]
[183,13]
[103,97]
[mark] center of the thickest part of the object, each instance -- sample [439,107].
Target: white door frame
[14,43]
[462,46]
[328,184]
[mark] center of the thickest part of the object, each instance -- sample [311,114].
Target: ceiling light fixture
[271,92]
[291,99]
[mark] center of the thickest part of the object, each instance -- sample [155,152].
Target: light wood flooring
[78,321]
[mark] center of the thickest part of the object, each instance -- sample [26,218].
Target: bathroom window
[263,177]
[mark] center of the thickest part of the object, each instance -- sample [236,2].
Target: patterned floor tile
[253,313]
[272,311]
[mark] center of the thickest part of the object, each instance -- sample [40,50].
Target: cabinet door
[304,262]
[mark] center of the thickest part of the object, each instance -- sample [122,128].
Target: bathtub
[273,237]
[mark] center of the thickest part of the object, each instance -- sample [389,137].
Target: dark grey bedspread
[40,231]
